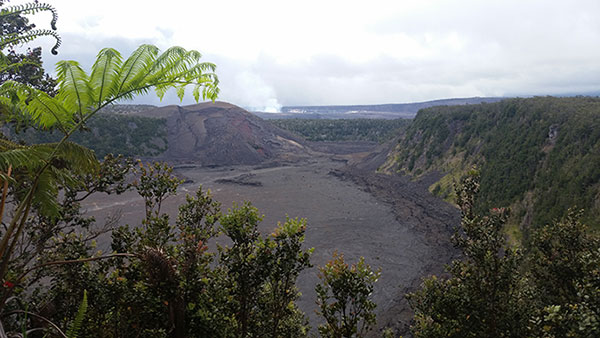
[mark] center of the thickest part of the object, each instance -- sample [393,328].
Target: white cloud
[272,52]
[251,91]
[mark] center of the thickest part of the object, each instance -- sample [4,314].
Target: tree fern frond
[180,91]
[81,160]
[76,325]
[16,39]
[161,90]
[9,145]
[210,88]
[47,111]
[75,92]
[46,193]
[196,93]
[22,158]
[135,68]
[113,79]
[64,177]
[172,64]
[104,73]
[203,68]
[30,8]
[78,159]
[44,110]
[4,177]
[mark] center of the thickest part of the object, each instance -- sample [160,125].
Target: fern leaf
[21,156]
[169,65]
[112,79]
[15,39]
[135,68]
[105,71]
[180,92]
[80,160]
[74,90]
[76,325]
[44,110]
[46,193]
[29,8]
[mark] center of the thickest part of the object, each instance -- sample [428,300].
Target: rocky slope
[218,134]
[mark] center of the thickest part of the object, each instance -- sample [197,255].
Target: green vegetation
[550,289]
[159,278]
[36,177]
[539,155]
[16,29]
[343,298]
[163,281]
[343,129]
[112,134]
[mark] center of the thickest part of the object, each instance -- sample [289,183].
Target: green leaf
[76,325]
[105,72]
[74,92]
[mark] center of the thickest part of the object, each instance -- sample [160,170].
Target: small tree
[344,298]
[485,295]
[260,274]
[564,261]
[279,315]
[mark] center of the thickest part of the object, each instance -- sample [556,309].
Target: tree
[280,316]
[25,67]
[564,262]
[344,298]
[260,274]
[171,284]
[483,296]
[37,172]
[550,289]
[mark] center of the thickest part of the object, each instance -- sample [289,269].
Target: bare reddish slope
[220,133]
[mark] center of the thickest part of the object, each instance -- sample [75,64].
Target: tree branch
[82,260]
[54,326]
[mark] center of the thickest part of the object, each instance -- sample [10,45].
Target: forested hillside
[135,136]
[540,156]
[375,130]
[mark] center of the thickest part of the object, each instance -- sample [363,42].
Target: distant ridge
[377,111]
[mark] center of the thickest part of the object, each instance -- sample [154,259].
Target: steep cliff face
[223,134]
[540,156]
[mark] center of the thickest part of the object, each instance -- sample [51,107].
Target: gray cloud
[437,50]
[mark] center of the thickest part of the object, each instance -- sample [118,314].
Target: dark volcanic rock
[417,209]
[244,179]
[219,134]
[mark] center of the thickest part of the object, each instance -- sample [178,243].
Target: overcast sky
[274,53]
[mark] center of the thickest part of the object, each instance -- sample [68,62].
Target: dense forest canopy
[374,130]
[539,155]
[135,136]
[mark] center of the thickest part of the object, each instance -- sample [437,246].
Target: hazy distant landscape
[379,111]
